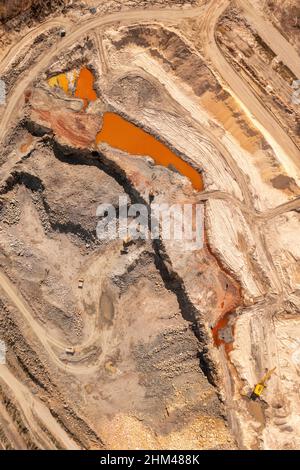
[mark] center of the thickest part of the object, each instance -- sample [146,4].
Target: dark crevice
[65,415]
[32,377]
[22,178]
[35,184]
[37,130]
[172,281]
[76,229]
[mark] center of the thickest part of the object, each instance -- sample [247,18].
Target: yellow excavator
[260,386]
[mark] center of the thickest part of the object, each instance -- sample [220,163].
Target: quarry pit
[145,344]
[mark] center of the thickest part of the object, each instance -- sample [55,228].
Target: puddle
[125,136]
[106,310]
[60,81]
[121,134]
[80,85]
[85,86]
[223,333]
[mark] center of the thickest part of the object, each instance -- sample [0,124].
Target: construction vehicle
[70,350]
[260,386]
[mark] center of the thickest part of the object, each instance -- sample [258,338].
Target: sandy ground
[163,345]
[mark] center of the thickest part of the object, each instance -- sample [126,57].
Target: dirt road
[269,214]
[167,15]
[265,121]
[45,339]
[97,269]
[282,48]
[28,39]
[210,14]
[32,408]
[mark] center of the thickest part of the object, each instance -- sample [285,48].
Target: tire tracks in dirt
[33,408]
[167,15]
[254,108]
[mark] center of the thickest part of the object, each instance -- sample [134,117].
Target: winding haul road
[209,15]
[33,408]
[167,15]
[255,109]
[49,342]
[282,48]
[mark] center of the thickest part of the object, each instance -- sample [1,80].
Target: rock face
[262,67]
[12,8]
[286,15]
[123,342]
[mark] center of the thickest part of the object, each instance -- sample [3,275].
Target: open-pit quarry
[124,343]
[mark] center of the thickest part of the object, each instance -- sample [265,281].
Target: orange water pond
[123,135]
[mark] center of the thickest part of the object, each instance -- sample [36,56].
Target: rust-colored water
[25,145]
[85,86]
[60,81]
[220,325]
[123,135]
